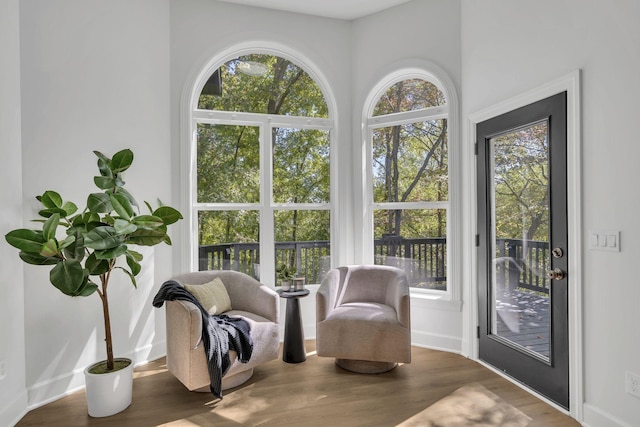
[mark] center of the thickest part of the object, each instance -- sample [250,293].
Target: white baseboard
[14,410]
[596,417]
[433,341]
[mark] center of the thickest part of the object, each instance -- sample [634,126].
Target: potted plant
[84,249]
[285,275]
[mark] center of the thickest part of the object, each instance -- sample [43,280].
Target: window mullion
[405,117]
[267,233]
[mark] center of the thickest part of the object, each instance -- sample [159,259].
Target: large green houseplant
[84,247]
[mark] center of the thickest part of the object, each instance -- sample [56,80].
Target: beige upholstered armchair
[254,302]
[363,318]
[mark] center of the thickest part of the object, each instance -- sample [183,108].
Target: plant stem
[104,279]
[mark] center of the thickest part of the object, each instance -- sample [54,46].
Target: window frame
[423,70]
[266,122]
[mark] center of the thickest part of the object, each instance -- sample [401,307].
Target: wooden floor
[313,393]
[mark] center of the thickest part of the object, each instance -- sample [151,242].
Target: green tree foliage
[285,89]
[410,162]
[228,169]
[521,179]
[228,164]
[300,166]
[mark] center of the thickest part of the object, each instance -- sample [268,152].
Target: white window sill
[434,301]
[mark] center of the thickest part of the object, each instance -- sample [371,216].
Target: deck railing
[522,264]
[424,260]
[518,264]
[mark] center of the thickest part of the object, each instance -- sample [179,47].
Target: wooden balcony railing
[518,264]
[522,264]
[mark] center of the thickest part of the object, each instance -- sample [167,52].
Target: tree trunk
[107,320]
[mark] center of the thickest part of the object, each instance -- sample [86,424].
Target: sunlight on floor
[468,406]
[233,406]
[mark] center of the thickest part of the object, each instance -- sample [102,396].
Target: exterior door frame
[570,84]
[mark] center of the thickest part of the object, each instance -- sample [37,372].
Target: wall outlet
[633,384]
[3,369]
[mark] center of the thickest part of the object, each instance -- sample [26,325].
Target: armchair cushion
[212,296]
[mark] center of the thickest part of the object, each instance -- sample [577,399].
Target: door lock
[557,252]
[556,274]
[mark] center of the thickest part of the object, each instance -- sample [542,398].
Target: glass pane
[302,239]
[410,162]
[409,95]
[414,240]
[229,240]
[300,166]
[228,164]
[263,84]
[521,229]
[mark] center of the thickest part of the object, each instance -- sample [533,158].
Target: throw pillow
[212,296]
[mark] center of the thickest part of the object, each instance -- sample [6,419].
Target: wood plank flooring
[313,393]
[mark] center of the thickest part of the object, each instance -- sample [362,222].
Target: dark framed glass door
[522,246]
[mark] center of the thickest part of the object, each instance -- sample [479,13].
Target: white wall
[408,35]
[13,393]
[95,76]
[510,47]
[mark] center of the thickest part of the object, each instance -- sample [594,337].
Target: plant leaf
[74,250]
[148,221]
[125,193]
[146,237]
[96,266]
[103,166]
[133,264]
[87,289]
[50,199]
[121,205]
[104,182]
[50,227]
[26,240]
[124,227]
[99,203]
[50,248]
[112,253]
[37,259]
[70,208]
[102,237]
[121,160]
[136,255]
[102,157]
[68,241]
[168,214]
[51,211]
[68,277]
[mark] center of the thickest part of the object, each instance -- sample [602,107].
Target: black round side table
[293,350]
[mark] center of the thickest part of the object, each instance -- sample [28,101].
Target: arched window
[409,145]
[261,169]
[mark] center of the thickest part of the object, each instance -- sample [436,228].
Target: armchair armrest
[184,325]
[399,298]
[254,298]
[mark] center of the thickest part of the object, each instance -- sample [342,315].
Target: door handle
[556,274]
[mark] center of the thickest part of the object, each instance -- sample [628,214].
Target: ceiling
[339,9]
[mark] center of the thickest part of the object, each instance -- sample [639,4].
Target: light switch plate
[603,240]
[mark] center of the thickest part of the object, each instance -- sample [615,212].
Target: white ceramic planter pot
[108,394]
